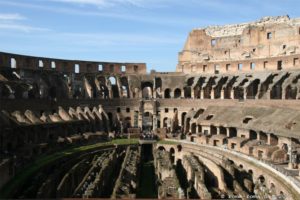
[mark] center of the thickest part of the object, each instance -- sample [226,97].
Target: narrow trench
[114,176]
[147,181]
[188,188]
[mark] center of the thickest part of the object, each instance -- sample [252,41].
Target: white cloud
[111,13]
[10,21]
[20,27]
[11,16]
[102,3]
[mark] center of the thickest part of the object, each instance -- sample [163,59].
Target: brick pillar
[232,94]
[245,93]
[154,89]
[212,94]
[141,113]
[268,138]
[201,94]
[222,93]
[227,132]
[192,93]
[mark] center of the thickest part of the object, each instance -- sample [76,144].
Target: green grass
[42,161]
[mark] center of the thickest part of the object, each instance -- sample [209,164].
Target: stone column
[141,113]
[222,93]
[268,138]
[154,117]
[202,94]
[244,93]
[197,128]
[154,89]
[212,94]
[218,130]
[258,136]
[192,93]
[267,94]
[232,94]
[227,132]
[119,84]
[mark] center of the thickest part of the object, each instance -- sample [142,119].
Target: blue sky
[151,31]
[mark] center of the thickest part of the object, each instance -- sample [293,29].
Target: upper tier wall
[69,66]
[269,44]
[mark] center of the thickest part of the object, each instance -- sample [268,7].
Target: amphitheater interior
[225,124]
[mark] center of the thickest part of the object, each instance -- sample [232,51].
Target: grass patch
[42,161]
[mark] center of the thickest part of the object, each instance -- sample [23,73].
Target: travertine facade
[271,43]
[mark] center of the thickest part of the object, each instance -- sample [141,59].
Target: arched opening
[104,93]
[147,90]
[147,93]
[123,68]
[41,63]
[127,124]
[53,65]
[147,121]
[187,92]
[199,128]
[172,155]
[193,128]
[165,122]
[276,92]
[197,92]
[161,148]
[223,130]
[219,87]
[229,87]
[100,67]
[76,68]
[158,84]
[273,140]
[209,117]
[208,88]
[111,122]
[263,136]
[238,92]
[13,63]
[183,118]
[213,130]
[179,148]
[125,87]
[112,80]
[291,92]
[261,179]
[187,124]
[232,132]
[198,113]
[190,81]
[167,93]
[253,135]
[177,93]
[246,120]
[114,87]
[252,89]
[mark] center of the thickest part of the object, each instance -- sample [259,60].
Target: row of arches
[118,87]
